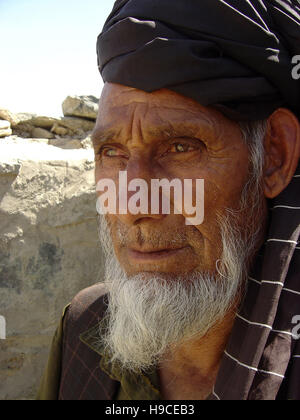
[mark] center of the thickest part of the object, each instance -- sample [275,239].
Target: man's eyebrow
[187,127]
[162,131]
[101,135]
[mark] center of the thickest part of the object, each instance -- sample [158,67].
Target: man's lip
[154,254]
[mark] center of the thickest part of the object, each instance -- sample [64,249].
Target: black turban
[236,54]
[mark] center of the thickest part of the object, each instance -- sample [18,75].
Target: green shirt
[133,386]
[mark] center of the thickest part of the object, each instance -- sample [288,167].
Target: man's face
[165,135]
[171,282]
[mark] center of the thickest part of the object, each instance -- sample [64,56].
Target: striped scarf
[262,358]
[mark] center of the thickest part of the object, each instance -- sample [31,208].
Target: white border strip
[274,282]
[251,367]
[279,283]
[283,332]
[264,326]
[252,279]
[285,207]
[291,291]
[255,323]
[282,240]
[218,398]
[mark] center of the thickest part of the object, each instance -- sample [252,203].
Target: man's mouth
[154,254]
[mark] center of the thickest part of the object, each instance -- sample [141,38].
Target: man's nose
[135,192]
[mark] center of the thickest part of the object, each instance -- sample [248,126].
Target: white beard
[149,312]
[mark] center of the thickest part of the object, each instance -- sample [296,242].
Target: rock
[68,143]
[25,117]
[41,133]
[30,125]
[24,127]
[4,125]
[44,122]
[5,128]
[48,251]
[87,143]
[81,106]
[77,125]
[65,126]
[9,116]
[13,139]
[60,131]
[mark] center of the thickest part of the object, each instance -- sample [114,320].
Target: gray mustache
[157,239]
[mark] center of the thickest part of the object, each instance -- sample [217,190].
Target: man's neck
[189,371]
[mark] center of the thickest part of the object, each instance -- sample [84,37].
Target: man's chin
[170,278]
[148,314]
[151,311]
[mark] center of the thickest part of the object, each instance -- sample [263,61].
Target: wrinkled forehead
[127,114]
[116,95]
[119,104]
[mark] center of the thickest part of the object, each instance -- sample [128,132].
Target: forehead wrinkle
[149,121]
[167,120]
[102,134]
[138,119]
[149,131]
[183,128]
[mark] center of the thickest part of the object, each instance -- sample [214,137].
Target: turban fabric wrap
[235,55]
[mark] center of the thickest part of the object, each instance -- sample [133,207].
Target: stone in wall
[80,113]
[81,106]
[5,128]
[48,251]
[41,133]
[5,114]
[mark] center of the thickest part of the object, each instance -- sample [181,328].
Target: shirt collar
[135,385]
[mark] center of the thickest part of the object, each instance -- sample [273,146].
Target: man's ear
[282,151]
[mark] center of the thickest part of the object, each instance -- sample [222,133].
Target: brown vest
[81,375]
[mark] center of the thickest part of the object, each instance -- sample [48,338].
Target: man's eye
[110,152]
[181,148]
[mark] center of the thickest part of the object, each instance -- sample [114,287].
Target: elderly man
[194,90]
